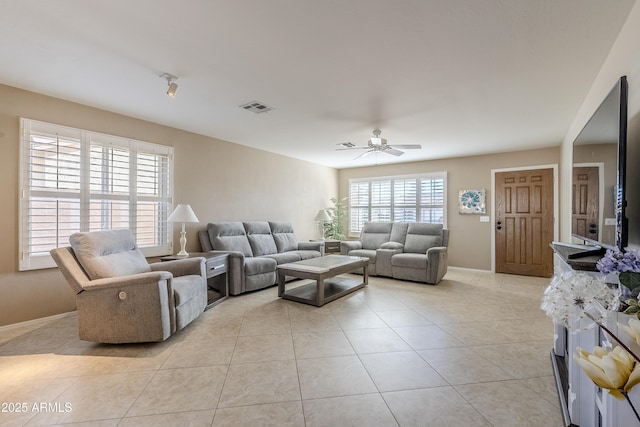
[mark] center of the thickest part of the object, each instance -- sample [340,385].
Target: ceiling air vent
[347,144]
[256,107]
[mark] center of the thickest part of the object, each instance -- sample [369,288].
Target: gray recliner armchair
[120,297]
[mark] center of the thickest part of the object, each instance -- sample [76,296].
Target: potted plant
[334,229]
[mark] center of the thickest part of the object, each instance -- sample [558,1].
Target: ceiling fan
[377,145]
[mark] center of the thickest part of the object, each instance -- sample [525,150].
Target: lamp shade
[183,213]
[323,216]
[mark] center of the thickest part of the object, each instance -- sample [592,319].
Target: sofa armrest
[383,261]
[396,246]
[205,242]
[437,264]
[182,267]
[151,277]
[312,246]
[235,270]
[349,245]
[437,249]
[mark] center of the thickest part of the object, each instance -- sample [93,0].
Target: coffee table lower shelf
[334,288]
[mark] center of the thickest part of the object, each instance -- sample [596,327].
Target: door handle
[499,225]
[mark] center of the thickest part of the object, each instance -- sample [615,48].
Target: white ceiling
[460,77]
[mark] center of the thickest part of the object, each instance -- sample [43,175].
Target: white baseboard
[472,270]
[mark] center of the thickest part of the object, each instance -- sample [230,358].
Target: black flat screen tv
[598,196]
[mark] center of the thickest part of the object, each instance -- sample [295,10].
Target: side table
[330,246]
[216,268]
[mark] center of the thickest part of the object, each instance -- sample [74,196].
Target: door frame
[600,166]
[556,216]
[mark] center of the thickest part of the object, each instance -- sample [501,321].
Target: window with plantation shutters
[412,198]
[74,180]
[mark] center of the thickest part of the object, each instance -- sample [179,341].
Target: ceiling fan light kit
[376,140]
[376,144]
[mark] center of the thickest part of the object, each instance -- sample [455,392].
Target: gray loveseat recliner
[255,250]
[123,299]
[407,251]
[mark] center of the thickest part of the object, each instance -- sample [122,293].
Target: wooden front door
[585,209]
[524,222]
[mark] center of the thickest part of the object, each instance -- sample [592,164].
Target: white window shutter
[74,180]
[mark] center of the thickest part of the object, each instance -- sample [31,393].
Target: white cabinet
[587,404]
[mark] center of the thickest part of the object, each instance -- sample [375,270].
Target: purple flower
[615,261]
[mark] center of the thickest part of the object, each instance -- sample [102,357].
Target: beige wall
[470,241]
[220,180]
[623,59]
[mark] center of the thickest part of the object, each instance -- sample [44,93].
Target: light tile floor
[471,351]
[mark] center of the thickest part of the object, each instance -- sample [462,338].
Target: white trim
[392,178]
[471,270]
[37,321]
[600,166]
[89,143]
[556,206]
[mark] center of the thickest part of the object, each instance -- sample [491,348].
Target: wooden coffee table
[324,270]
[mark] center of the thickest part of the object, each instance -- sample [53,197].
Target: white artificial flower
[633,330]
[614,370]
[578,300]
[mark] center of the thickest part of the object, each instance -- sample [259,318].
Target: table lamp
[322,216]
[183,213]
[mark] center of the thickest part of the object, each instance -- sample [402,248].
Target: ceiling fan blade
[366,153]
[407,146]
[393,151]
[352,148]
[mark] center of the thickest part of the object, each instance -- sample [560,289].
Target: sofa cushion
[283,236]
[406,260]
[259,265]
[284,257]
[260,238]
[375,234]
[108,253]
[308,254]
[364,253]
[187,287]
[421,237]
[229,236]
[399,232]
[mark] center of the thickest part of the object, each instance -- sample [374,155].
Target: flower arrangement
[580,301]
[627,266]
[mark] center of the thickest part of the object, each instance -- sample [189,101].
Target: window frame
[365,209]
[91,189]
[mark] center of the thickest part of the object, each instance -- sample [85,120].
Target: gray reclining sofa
[406,251]
[255,250]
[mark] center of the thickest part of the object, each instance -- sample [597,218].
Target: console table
[216,268]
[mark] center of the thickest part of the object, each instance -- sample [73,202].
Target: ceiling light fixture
[173,86]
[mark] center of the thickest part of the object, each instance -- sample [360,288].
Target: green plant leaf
[629,279]
[632,310]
